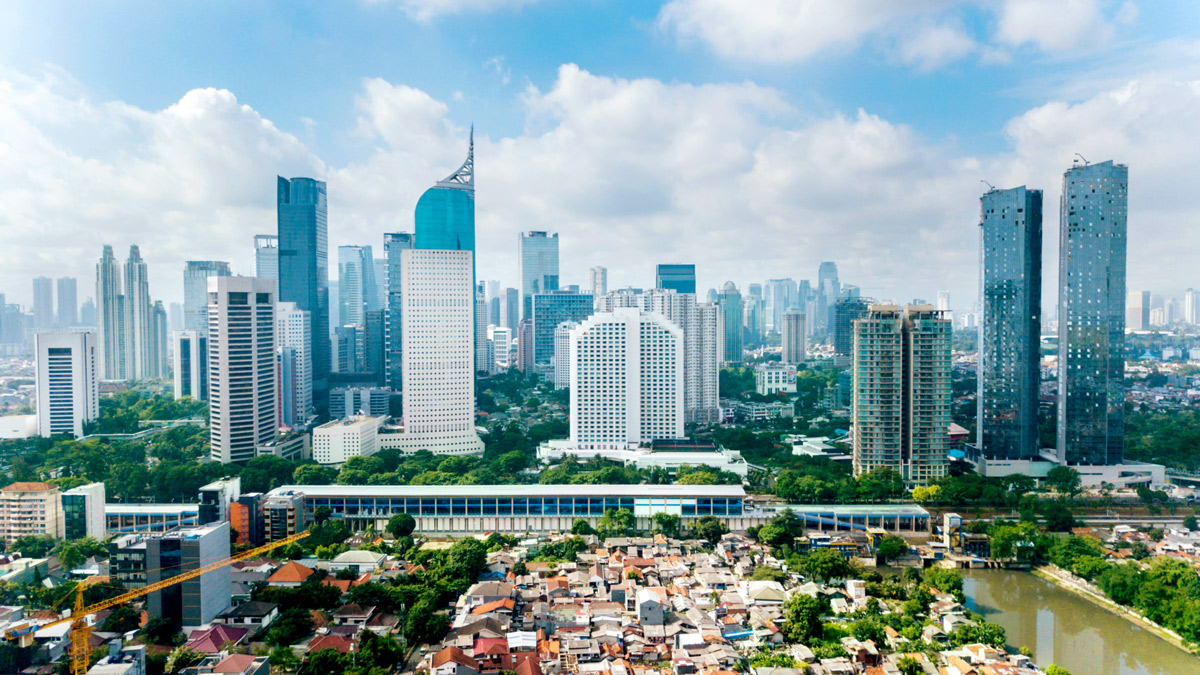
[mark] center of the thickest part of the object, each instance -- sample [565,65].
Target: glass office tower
[393,244]
[537,261]
[304,265]
[1010,255]
[679,278]
[445,215]
[1091,313]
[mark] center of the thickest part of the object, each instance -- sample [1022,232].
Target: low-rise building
[335,442]
[773,377]
[30,509]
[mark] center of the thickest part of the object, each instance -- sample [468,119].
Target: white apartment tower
[139,348]
[599,278]
[702,358]
[191,363]
[68,383]
[242,399]
[562,354]
[626,380]
[792,336]
[293,328]
[438,359]
[110,317]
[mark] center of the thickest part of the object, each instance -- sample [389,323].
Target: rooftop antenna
[1085,162]
[990,186]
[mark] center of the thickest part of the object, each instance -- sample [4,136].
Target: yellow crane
[80,631]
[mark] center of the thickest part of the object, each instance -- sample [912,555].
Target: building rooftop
[356,421]
[29,487]
[511,490]
[138,509]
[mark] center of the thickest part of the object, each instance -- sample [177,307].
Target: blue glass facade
[679,278]
[384,507]
[393,244]
[304,264]
[551,309]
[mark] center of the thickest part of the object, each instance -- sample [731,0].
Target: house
[216,639]
[253,615]
[241,664]
[649,607]
[504,607]
[452,661]
[362,562]
[340,643]
[352,615]
[290,575]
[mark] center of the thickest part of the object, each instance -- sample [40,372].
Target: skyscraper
[175,316]
[729,328]
[68,303]
[549,310]
[678,278]
[1009,371]
[781,294]
[110,310]
[241,355]
[1191,306]
[562,354]
[43,304]
[943,297]
[195,291]
[357,294]
[1137,310]
[304,265]
[393,244]
[439,355]
[901,391]
[266,257]
[537,259]
[510,309]
[191,364]
[828,290]
[293,338]
[845,312]
[159,336]
[139,348]
[702,362]
[626,378]
[793,336]
[599,281]
[1091,314]
[87,313]
[445,213]
[68,386]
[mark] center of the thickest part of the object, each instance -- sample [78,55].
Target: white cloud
[1066,24]
[933,46]
[426,10]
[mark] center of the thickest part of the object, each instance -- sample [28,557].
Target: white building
[335,442]
[562,354]
[68,384]
[481,336]
[792,336]
[351,401]
[599,281]
[626,380]
[190,348]
[438,358]
[772,377]
[293,328]
[242,405]
[501,338]
[83,512]
[702,359]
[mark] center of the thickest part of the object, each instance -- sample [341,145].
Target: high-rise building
[160,333]
[83,512]
[678,278]
[781,295]
[943,301]
[344,347]
[1191,306]
[510,308]
[845,312]
[243,400]
[1091,314]
[702,359]
[754,318]
[357,294]
[549,310]
[393,244]
[901,392]
[293,333]
[374,341]
[346,402]
[826,296]
[87,312]
[30,509]
[599,281]
[729,329]
[1009,371]
[140,360]
[192,603]
[482,359]
[792,337]
[43,304]
[68,303]
[304,266]
[445,214]
[110,320]
[266,256]
[562,354]
[68,386]
[537,259]
[525,345]
[501,339]
[195,291]
[191,364]
[1137,310]
[626,380]
[439,355]
[381,283]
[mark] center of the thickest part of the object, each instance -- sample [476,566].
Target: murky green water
[1065,629]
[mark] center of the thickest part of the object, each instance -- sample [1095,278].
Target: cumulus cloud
[1067,25]
[933,46]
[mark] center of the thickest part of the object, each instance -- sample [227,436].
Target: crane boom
[80,630]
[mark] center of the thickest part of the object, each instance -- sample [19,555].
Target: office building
[1137,311]
[43,304]
[525,346]
[87,312]
[191,364]
[30,509]
[598,276]
[445,215]
[729,330]
[393,244]
[293,337]
[335,442]
[350,401]
[160,335]
[549,310]
[266,256]
[774,377]
[827,293]
[627,379]
[1009,368]
[304,266]
[217,497]
[481,342]
[781,294]
[702,360]
[373,356]
[83,512]
[439,360]
[901,392]
[357,293]
[845,313]
[943,297]
[110,317]
[562,354]
[195,291]
[754,318]
[242,404]
[678,278]
[510,308]
[68,303]
[145,559]
[344,345]
[537,260]
[139,352]
[68,386]
[501,339]
[792,337]
[1091,314]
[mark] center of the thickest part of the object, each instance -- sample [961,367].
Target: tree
[924,494]
[667,523]
[803,618]
[321,514]
[582,527]
[182,657]
[880,484]
[401,525]
[519,569]
[982,632]
[313,474]
[160,631]
[121,619]
[616,522]
[1057,670]
[1189,521]
[909,666]
[765,573]
[284,659]
[891,547]
[1059,519]
[710,528]
[290,627]
[1065,481]
[328,660]
[466,559]
[33,546]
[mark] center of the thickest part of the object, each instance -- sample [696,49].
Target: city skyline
[906,176]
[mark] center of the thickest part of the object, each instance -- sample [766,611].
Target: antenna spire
[464,177]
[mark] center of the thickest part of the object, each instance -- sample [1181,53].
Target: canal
[1063,628]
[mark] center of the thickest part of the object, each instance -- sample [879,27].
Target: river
[1063,628]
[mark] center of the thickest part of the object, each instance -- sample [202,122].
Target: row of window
[519,506]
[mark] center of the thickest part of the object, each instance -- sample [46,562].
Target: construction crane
[80,630]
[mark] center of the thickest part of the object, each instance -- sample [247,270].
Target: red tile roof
[339,642]
[234,663]
[291,573]
[29,487]
[214,639]
[494,606]
[453,654]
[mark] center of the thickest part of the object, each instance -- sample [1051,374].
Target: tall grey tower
[537,260]
[43,304]
[1010,283]
[195,291]
[304,265]
[110,317]
[138,319]
[68,303]
[393,244]
[1091,313]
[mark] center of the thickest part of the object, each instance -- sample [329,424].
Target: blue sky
[803,130]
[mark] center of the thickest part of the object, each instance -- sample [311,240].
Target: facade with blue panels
[304,264]
[551,309]
[678,278]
